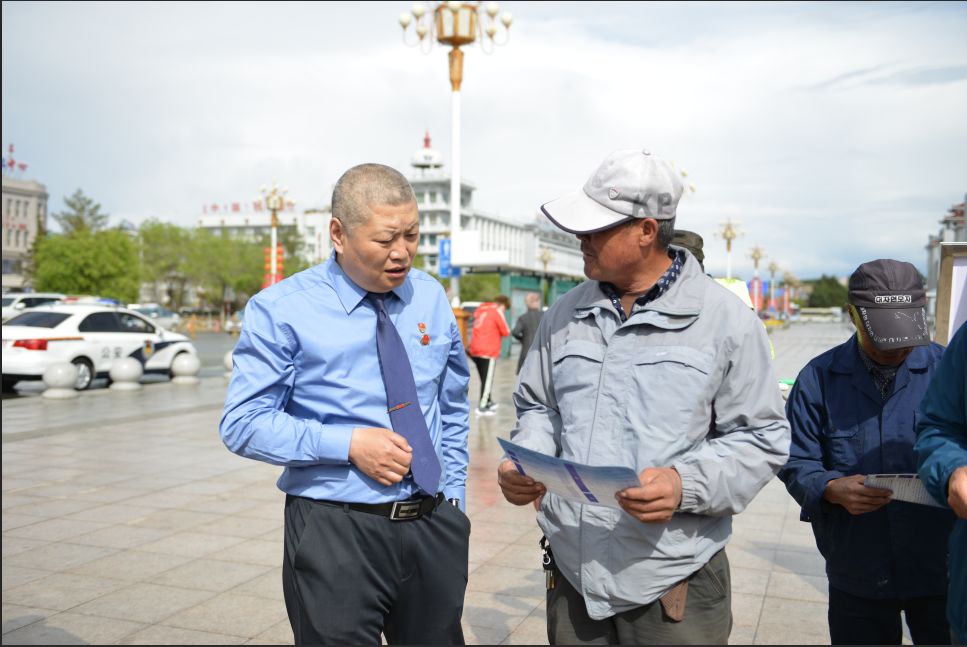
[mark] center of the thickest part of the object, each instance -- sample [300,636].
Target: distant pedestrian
[486,337]
[852,411]
[526,326]
[942,452]
[352,376]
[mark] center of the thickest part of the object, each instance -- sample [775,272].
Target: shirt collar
[351,295]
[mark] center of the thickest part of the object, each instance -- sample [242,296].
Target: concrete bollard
[227,361]
[59,380]
[126,374]
[185,369]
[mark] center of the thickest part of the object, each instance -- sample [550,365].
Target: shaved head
[364,186]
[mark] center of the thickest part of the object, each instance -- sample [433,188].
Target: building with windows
[253,222]
[24,205]
[487,243]
[953,229]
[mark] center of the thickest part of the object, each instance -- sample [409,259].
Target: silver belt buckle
[404,510]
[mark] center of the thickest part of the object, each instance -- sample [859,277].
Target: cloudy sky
[833,133]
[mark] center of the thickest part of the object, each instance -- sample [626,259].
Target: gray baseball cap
[889,297]
[628,184]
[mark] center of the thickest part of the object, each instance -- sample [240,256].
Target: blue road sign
[444,269]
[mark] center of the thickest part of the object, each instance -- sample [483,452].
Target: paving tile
[234,526]
[130,565]
[268,585]
[113,513]
[55,529]
[749,580]
[254,551]
[496,532]
[491,578]
[16,616]
[497,610]
[14,576]
[13,520]
[742,635]
[71,629]
[108,494]
[278,634]
[532,631]
[800,562]
[230,613]
[792,620]
[122,536]
[746,609]
[773,634]
[50,508]
[483,551]
[57,556]
[474,635]
[61,591]
[164,635]
[210,575]
[798,587]
[143,602]
[16,545]
[14,500]
[191,544]
[517,556]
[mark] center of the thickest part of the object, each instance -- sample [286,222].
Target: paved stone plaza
[126,521]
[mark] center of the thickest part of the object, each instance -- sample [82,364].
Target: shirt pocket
[428,363]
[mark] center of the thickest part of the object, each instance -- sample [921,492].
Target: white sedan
[88,335]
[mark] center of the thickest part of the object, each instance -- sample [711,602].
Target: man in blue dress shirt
[370,546]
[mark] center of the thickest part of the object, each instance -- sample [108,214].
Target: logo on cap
[887,299]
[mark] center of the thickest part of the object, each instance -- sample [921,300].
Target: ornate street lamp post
[773,268]
[728,233]
[756,255]
[274,202]
[455,24]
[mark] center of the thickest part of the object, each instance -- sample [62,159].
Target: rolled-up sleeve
[254,423]
[454,415]
[750,441]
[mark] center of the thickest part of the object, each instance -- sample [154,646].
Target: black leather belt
[396,510]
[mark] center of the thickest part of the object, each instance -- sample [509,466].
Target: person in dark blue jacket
[852,412]
[942,452]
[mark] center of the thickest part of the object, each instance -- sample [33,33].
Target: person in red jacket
[489,329]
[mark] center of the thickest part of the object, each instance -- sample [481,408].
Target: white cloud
[833,133]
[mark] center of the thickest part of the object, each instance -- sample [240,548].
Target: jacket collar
[847,361]
[676,308]
[351,295]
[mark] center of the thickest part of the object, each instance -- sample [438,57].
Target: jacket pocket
[843,448]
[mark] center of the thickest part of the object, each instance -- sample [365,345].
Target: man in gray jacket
[654,366]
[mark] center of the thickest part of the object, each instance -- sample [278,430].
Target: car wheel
[85,373]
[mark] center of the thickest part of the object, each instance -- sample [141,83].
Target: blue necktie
[403,403]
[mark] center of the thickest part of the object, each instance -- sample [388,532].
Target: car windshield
[7,301]
[37,319]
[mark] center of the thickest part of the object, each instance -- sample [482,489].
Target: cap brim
[578,214]
[891,328]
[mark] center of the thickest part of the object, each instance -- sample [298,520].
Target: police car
[90,336]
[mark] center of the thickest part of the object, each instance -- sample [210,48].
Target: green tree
[827,292]
[82,214]
[103,263]
[479,287]
[164,255]
[228,270]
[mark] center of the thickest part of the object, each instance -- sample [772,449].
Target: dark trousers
[862,621]
[485,368]
[349,576]
[707,619]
